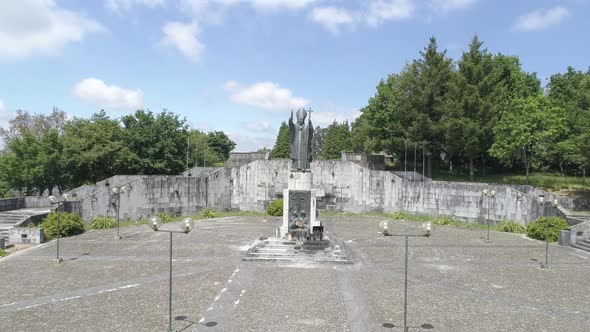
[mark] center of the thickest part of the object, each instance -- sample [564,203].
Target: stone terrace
[457,282]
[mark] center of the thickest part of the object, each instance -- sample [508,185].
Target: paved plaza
[457,282]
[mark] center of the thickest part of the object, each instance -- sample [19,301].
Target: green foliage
[538,228]
[220,143]
[282,147]
[275,208]
[95,149]
[165,217]
[527,128]
[69,224]
[401,215]
[337,140]
[3,253]
[103,223]
[443,220]
[209,213]
[511,226]
[159,141]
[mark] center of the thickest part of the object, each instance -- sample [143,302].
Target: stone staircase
[15,218]
[582,245]
[278,250]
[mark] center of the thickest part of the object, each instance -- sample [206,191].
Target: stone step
[585,242]
[581,246]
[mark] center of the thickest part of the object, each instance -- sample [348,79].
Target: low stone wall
[340,184]
[7,204]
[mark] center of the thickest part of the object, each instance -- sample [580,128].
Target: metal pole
[58,228]
[118,206]
[546,240]
[406,287]
[423,159]
[170,290]
[204,150]
[405,157]
[488,221]
[341,207]
[188,145]
[415,147]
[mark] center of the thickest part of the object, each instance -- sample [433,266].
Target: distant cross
[310,111]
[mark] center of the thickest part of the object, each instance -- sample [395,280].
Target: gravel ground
[456,282]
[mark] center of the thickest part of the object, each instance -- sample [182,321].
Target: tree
[36,124]
[282,147]
[220,143]
[337,140]
[202,152]
[95,149]
[361,140]
[526,131]
[158,141]
[317,142]
[571,91]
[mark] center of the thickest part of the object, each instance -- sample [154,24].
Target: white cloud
[31,27]
[259,126]
[381,11]
[118,6]
[266,95]
[449,5]
[540,19]
[98,93]
[331,17]
[325,116]
[184,37]
[280,4]
[250,143]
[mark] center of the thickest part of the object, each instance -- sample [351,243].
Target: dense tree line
[47,152]
[482,110]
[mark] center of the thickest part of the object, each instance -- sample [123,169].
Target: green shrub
[511,226]
[442,220]
[69,224]
[103,223]
[275,208]
[537,228]
[3,253]
[165,217]
[209,213]
[399,215]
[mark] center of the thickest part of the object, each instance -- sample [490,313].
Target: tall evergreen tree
[282,147]
[337,140]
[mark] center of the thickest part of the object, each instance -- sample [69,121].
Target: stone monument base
[300,216]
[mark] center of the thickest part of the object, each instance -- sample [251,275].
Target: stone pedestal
[297,198]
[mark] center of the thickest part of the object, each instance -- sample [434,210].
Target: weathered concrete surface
[457,282]
[343,184]
[26,235]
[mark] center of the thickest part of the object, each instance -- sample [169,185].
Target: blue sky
[241,65]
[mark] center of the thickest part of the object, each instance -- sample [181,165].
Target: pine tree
[337,140]
[282,147]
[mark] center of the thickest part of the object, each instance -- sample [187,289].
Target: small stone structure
[26,235]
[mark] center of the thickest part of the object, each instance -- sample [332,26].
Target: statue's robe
[301,136]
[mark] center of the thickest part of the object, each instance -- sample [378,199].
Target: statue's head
[301,115]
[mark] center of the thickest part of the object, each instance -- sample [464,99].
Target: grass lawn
[560,184]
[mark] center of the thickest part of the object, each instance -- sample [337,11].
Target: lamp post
[53,200]
[117,191]
[555,204]
[265,205]
[386,231]
[341,201]
[186,226]
[490,194]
